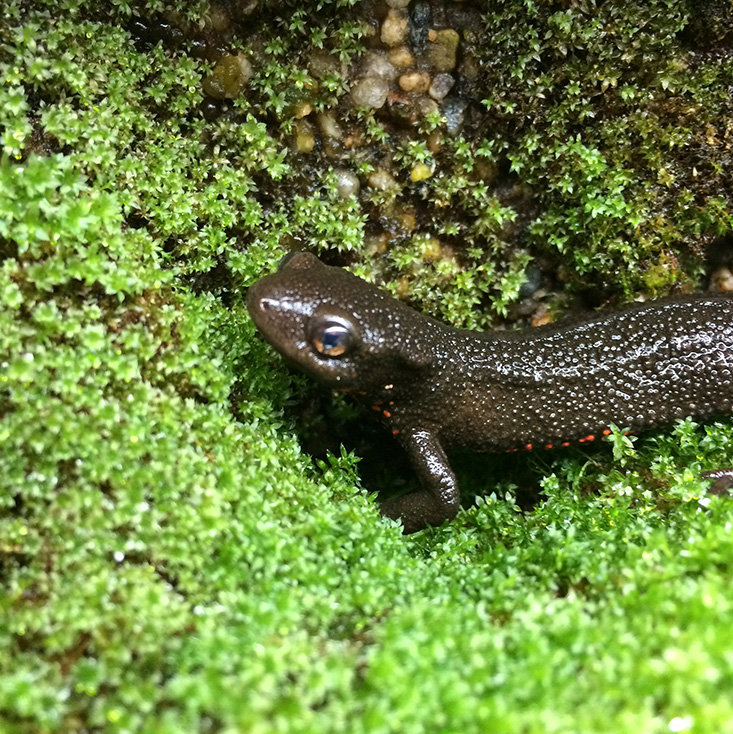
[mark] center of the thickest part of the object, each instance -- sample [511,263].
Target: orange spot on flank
[606,431]
[566,443]
[395,432]
[375,407]
[387,414]
[528,447]
[548,445]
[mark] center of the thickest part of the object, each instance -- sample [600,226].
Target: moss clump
[170,561]
[622,131]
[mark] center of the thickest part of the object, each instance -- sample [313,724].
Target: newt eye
[332,336]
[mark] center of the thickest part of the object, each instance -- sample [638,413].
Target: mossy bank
[171,559]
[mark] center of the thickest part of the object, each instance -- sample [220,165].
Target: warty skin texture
[436,387]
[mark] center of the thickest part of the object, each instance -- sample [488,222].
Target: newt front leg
[439,498]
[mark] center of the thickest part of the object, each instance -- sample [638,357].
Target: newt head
[334,326]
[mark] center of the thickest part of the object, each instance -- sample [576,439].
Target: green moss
[170,560]
[614,104]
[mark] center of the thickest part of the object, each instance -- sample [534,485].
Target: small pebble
[421,17]
[329,126]
[228,78]
[541,316]
[398,4]
[347,184]
[453,111]
[442,49]
[469,68]
[434,141]
[432,250]
[442,84]
[305,140]
[403,109]
[321,64]
[425,106]
[394,28]
[242,9]
[401,57]
[420,171]
[376,244]
[370,91]
[381,179]
[219,18]
[405,220]
[302,109]
[403,287]
[354,139]
[377,64]
[723,279]
[415,81]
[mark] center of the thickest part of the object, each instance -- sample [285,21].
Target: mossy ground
[171,561]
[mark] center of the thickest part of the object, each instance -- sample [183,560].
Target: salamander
[437,387]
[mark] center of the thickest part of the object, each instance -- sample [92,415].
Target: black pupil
[334,340]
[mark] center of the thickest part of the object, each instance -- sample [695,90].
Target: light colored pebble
[398,4]
[381,179]
[370,91]
[329,126]
[401,57]
[377,64]
[405,219]
[441,85]
[723,279]
[394,28]
[415,81]
[347,183]
[542,316]
[376,244]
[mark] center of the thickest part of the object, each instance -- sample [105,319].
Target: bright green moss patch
[170,560]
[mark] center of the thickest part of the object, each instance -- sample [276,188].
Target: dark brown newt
[438,387]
